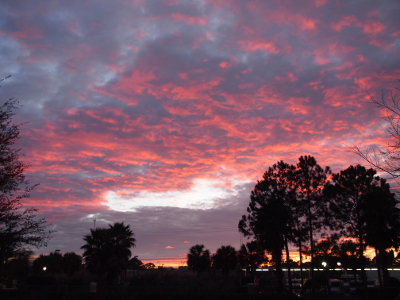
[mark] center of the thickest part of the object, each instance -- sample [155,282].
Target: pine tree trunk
[288,266]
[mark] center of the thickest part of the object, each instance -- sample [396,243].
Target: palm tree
[107,250]
[225,259]
[96,251]
[121,240]
[198,258]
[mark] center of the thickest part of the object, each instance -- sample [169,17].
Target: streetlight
[324,264]
[44,268]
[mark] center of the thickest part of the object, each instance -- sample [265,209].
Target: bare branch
[385,158]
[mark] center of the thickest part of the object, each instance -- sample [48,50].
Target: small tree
[225,259]
[71,263]
[149,266]
[18,267]
[19,226]
[51,264]
[135,264]
[251,256]
[198,259]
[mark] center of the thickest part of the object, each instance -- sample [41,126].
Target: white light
[202,196]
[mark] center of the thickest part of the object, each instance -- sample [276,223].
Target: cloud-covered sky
[163,114]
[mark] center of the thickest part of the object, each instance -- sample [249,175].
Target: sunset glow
[164,114]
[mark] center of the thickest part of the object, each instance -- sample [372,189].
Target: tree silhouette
[324,247]
[349,255]
[198,258]
[382,222]
[346,194]
[71,263]
[327,250]
[97,251]
[19,265]
[225,259]
[311,179]
[19,227]
[121,240]
[270,216]
[107,250]
[52,263]
[149,266]
[135,263]
[385,158]
[251,256]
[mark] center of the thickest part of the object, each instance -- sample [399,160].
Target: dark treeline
[328,217]
[299,204]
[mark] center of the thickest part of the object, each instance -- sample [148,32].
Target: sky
[164,114]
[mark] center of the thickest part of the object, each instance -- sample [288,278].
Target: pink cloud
[348,20]
[189,19]
[152,98]
[373,27]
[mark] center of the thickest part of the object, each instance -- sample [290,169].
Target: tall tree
[225,259]
[347,193]
[270,218]
[311,179]
[122,241]
[198,259]
[19,226]
[381,216]
[107,250]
